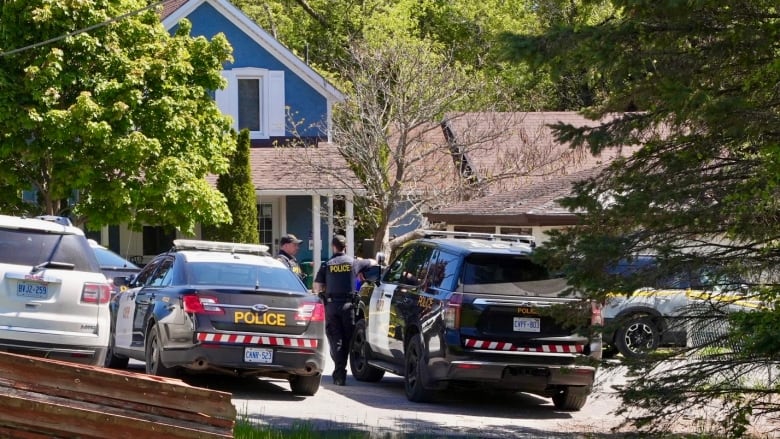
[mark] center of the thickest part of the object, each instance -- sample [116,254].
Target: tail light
[311,312]
[196,304]
[596,319]
[452,312]
[96,293]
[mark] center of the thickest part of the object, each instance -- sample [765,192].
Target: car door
[407,274]
[125,329]
[381,324]
[144,299]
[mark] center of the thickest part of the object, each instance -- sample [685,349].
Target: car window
[244,275]
[32,247]
[107,258]
[492,269]
[145,274]
[162,277]
[411,266]
[443,271]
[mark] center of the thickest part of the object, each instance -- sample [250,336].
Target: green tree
[322,32]
[112,125]
[236,185]
[701,192]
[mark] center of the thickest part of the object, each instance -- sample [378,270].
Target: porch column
[330,225]
[104,236]
[316,233]
[350,220]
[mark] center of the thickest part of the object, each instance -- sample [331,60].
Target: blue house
[278,97]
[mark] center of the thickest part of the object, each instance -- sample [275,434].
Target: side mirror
[380,259]
[124,281]
[372,273]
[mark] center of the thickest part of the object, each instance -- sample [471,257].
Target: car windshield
[244,275]
[34,247]
[107,258]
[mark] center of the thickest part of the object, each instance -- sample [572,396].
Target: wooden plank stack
[42,398]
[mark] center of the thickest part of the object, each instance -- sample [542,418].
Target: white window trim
[272,99]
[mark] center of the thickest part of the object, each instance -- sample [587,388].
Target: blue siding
[408,224]
[307,106]
[299,223]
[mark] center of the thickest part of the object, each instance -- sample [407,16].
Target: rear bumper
[74,353]
[230,358]
[516,375]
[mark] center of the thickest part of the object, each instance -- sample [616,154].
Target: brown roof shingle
[170,7]
[296,169]
[506,149]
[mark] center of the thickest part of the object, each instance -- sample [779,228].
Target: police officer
[288,248]
[335,283]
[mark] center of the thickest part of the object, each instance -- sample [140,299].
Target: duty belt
[338,297]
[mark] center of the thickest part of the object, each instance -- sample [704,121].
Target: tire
[415,371]
[637,337]
[112,360]
[569,400]
[154,365]
[358,357]
[305,385]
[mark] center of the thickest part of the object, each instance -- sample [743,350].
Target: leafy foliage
[236,185]
[113,125]
[702,190]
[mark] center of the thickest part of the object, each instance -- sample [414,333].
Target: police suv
[473,309]
[221,307]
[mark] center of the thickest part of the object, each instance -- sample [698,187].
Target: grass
[249,430]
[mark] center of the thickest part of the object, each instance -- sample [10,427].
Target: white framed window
[254,98]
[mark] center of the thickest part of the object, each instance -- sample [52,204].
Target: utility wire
[86,29]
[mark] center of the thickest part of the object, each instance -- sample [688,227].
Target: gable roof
[175,10]
[504,150]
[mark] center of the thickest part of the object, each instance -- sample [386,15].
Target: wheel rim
[411,367]
[358,351]
[155,354]
[639,337]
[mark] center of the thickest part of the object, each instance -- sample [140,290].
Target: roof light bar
[525,239]
[216,246]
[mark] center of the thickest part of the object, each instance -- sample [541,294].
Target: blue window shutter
[276,111]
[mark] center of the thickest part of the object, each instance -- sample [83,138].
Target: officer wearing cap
[288,248]
[335,283]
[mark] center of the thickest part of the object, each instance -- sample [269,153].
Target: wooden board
[48,398]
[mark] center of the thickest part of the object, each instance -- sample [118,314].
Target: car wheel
[112,360]
[154,365]
[569,399]
[358,356]
[416,371]
[637,337]
[305,385]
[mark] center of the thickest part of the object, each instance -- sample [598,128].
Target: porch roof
[298,171]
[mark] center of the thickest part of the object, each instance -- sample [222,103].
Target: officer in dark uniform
[335,283]
[288,248]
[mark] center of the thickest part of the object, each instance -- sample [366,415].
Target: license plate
[258,355]
[526,324]
[35,291]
